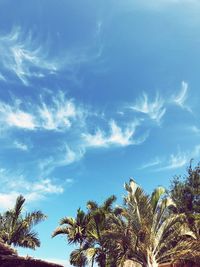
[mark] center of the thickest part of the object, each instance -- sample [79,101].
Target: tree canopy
[146,229]
[16,227]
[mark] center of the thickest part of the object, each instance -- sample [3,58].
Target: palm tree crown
[16,229]
[154,235]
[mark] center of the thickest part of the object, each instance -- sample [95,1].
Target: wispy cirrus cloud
[195,129]
[70,154]
[27,56]
[63,116]
[20,119]
[7,200]
[20,146]
[57,115]
[150,164]
[2,78]
[154,109]
[60,114]
[24,56]
[32,190]
[14,116]
[174,161]
[67,121]
[116,137]
[182,96]
[60,158]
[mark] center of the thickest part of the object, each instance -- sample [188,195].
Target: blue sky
[92,93]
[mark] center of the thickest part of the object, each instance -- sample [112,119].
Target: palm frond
[107,205]
[155,197]
[18,206]
[92,205]
[34,218]
[67,220]
[29,240]
[61,230]
[78,258]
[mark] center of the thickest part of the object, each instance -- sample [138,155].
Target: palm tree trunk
[151,260]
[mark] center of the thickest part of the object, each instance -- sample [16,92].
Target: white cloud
[2,78]
[20,146]
[69,180]
[71,153]
[195,129]
[7,200]
[63,157]
[116,137]
[27,56]
[154,109]
[13,116]
[175,160]
[60,114]
[46,186]
[15,184]
[21,119]
[57,115]
[181,97]
[70,156]
[196,151]
[152,163]
[20,53]
[42,186]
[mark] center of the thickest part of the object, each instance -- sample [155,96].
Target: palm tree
[78,258]
[154,235]
[98,224]
[143,230]
[74,228]
[76,231]
[87,230]
[118,239]
[16,229]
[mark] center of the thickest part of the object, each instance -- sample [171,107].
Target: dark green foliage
[146,229]
[186,196]
[186,192]
[16,227]
[88,230]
